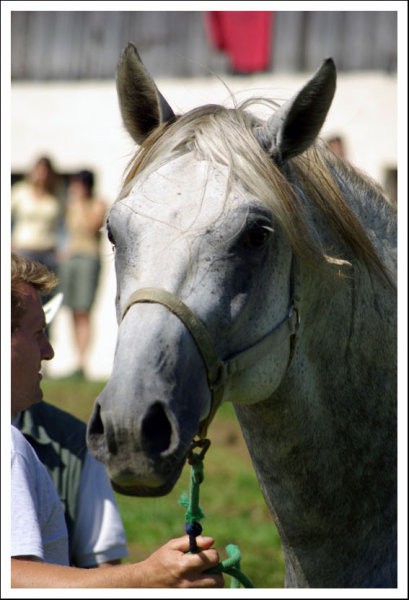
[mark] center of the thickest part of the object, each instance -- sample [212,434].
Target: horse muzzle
[145,459]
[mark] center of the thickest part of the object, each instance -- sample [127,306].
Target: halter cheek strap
[219,371]
[189,319]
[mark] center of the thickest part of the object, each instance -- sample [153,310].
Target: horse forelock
[225,136]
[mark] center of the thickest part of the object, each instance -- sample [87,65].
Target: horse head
[206,279]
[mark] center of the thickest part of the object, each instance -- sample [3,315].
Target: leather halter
[218,370]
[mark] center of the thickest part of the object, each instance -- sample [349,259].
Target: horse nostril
[96,426]
[156,430]
[101,439]
[95,433]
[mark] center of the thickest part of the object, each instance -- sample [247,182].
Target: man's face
[29,346]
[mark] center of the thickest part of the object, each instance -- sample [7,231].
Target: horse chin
[129,484]
[144,491]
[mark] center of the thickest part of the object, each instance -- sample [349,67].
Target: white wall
[78,124]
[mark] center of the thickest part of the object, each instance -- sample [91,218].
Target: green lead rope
[194,514]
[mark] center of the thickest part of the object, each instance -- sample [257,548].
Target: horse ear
[297,123]
[142,105]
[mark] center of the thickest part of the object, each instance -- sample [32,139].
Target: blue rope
[194,514]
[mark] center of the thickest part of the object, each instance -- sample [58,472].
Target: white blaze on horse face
[177,230]
[185,193]
[165,211]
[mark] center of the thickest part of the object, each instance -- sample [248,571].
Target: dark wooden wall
[66,45]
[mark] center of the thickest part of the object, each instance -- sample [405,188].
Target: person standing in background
[80,261]
[36,215]
[337,145]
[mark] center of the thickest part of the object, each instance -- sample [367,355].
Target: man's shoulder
[47,423]
[22,453]
[19,444]
[60,418]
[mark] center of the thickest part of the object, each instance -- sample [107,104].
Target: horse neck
[328,469]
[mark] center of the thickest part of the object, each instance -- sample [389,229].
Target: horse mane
[317,177]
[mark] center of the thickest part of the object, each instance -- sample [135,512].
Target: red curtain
[245,37]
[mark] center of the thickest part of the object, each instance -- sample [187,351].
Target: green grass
[235,511]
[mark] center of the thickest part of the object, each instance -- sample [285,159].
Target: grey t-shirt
[38,528]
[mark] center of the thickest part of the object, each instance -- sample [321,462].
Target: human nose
[47,351]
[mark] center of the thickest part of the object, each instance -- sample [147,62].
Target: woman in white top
[36,214]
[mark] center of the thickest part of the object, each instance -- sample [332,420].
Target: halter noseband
[219,371]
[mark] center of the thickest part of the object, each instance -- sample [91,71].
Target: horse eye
[256,236]
[109,234]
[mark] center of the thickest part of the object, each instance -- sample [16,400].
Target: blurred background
[63,100]
[63,106]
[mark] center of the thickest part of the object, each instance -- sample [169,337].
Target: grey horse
[255,266]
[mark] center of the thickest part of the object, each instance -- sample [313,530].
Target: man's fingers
[208,580]
[182,543]
[203,560]
[204,542]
